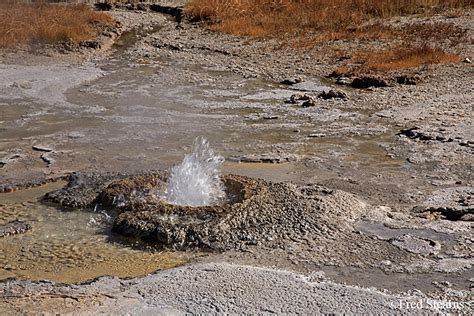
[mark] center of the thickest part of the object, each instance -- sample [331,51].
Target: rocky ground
[382,196]
[205,288]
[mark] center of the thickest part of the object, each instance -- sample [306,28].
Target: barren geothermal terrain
[201,157]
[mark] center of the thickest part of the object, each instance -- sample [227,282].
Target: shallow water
[69,246]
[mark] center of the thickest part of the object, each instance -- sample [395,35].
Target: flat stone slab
[267,158]
[416,245]
[42,148]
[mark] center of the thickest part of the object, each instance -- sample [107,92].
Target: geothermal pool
[70,245]
[120,115]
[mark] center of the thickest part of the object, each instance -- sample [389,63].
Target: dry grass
[303,24]
[24,24]
[285,17]
[397,59]
[423,34]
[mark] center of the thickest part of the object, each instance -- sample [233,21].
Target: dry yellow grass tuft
[403,58]
[24,24]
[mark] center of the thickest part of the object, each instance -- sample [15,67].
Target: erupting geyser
[196,181]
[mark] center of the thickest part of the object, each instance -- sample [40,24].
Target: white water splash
[196,181]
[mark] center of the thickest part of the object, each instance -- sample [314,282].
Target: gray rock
[48,159]
[42,148]
[455,203]
[76,135]
[317,135]
[368,82]
[268,158]
[343,81]
[468,217]
[291,81]
[295,98]
[333,94]
[14,228]
[408,80]
[416,245]
[270,117]
[309,103]
[23,84]
[90,44]
[6,160]
[103,6]
[142,7]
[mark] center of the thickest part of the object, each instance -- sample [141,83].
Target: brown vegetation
[281,17]
[396,59]
[402,58]
[23,24]
[304,23]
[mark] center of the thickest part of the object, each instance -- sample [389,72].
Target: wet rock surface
[435,135]
[14,228]
[368,81]
[256,212]
[82,189]
[333,94]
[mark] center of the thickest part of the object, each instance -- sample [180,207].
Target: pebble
[42,148]
[343,81]
[309,103]
[76,135]
[46,158]
[317,135]
[291,81]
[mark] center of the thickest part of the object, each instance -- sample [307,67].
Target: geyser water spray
[196,181]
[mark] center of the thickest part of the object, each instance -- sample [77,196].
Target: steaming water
[196,181]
